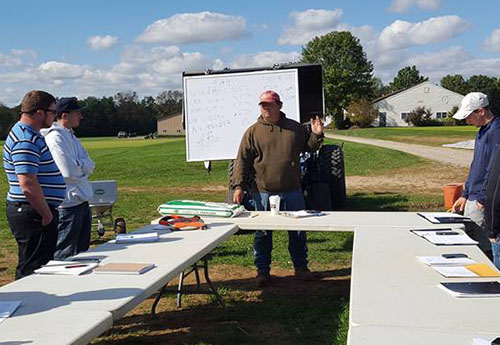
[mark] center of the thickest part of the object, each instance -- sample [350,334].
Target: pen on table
[58,265]
[87,259]
[76,266]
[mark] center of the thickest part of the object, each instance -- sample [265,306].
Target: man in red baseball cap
[271,149]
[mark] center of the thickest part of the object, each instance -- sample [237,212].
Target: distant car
[122,134]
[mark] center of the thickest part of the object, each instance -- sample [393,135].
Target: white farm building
[394,108]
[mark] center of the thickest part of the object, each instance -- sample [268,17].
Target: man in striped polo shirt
[36,186]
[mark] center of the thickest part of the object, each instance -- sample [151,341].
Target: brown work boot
[263,279]
[303,273]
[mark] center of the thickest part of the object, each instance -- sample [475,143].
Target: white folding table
[96,300]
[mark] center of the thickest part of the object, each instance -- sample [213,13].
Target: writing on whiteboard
[219,108]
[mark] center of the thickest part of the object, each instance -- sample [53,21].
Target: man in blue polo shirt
[36,186]
[475,110]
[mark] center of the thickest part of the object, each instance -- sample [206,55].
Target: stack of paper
[444,217]
[472,289]
[124,268]
[454,271]
[7,308]
[474,270]
[445,236]
[458,267]
[137,238]
[442,261]
[483,270]
[66,267]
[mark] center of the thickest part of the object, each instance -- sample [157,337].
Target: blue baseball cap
[67,105]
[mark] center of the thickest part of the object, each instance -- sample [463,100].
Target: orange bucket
[452,192]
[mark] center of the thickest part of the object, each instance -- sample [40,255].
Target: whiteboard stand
[208,166]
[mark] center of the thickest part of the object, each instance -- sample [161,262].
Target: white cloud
[101,42]
[17,57]
[492,43]
[435,65]
[264,59]
[218,64]
[440,60]
[147,71]
[309,24]
[163,60]
[61,70]
[9,60]
[401,34]
[194,27]
[403,5]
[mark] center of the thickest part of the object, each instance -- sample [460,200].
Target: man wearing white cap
[475,110]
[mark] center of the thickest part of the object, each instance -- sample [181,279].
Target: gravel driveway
[457,157]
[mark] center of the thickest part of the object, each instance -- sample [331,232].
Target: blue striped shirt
[25,152]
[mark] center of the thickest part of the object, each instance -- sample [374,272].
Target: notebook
[443,217]
[472,289]
[445,236]
[123,268]
[71,268]
[441,261]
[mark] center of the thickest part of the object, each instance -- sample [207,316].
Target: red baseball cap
[269,96]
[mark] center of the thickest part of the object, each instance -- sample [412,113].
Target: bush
[422,117]
[450,121]
[361,113]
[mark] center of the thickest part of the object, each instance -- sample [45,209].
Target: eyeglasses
[49,110]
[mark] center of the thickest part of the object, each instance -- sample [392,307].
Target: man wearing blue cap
[75,218]
[475,109]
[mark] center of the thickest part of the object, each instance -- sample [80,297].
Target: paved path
[457,157]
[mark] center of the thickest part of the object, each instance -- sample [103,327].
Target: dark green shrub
[422,117]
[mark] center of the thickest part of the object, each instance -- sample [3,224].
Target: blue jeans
[263,241]
[495,249]
[73,231]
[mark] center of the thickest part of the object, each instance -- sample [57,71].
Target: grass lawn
[432,136]
[150,172]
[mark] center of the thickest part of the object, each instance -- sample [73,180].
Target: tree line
[107,116]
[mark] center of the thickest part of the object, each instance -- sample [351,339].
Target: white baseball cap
[471,102]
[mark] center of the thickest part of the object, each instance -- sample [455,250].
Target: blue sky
[98,48]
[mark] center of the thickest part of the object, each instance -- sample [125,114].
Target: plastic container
[452,192]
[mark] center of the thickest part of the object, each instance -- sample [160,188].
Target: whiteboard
[219,108]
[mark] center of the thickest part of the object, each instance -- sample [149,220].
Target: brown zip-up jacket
[272,151]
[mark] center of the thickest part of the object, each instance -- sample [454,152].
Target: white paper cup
[274,204]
